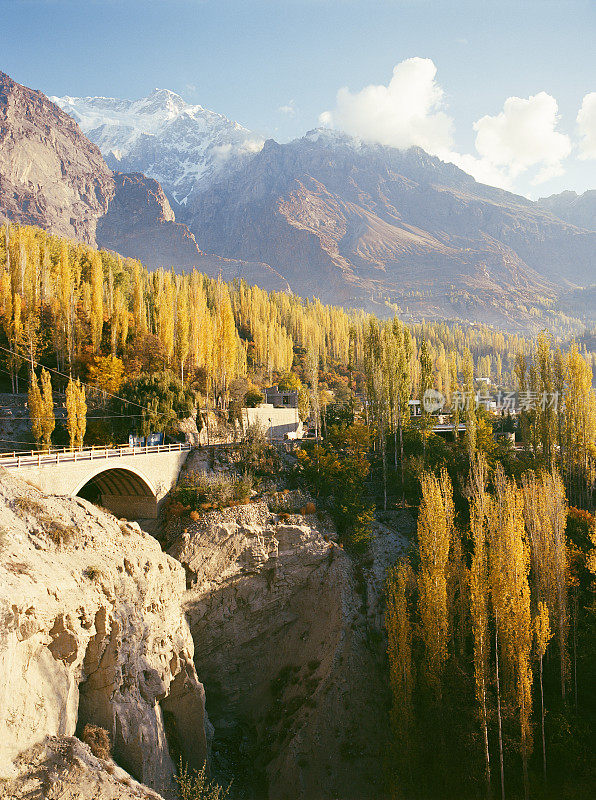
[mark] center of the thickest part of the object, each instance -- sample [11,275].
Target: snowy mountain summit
[184,147]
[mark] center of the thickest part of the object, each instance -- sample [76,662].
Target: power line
[69,377]
[94,416]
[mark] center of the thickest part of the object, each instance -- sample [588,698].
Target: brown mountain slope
[140,224]
[52,176]
[578,209]
[363,224]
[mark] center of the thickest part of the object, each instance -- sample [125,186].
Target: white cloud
[521,139]
[408,111]
[586,124]
[480,169]
[326,119]
[523,136]
[289,109]
[222,151]
[252,145]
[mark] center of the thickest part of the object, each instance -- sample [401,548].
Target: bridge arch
[123,490]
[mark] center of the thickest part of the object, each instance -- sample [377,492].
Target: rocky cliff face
[63,768]
[288,642]
[92,632]
[578,209]
[140,223]
[185,147]
[374,225]
[95,628]
[50,174]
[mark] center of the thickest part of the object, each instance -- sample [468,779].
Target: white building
[279,416]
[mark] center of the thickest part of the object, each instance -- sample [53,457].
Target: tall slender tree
[48,420]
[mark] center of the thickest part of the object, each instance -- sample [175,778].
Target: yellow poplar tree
[48,420]
[509,566]
[543,635]
[76,413]
[81,410]
[545,515]
[182,347]
[71,412]
[35,407]
[435,524]
[479,599]
[470,403]
[96,301]
[399,648]
[224,341]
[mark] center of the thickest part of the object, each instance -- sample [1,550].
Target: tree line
[64,304]
[476,619]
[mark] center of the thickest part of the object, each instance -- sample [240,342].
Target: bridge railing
[40,458]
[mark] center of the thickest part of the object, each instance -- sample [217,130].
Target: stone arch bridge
[130,482]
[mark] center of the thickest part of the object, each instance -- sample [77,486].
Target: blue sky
[250,58]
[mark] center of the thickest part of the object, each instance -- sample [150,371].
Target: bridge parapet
[130,481]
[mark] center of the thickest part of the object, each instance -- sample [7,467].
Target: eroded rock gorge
[96,628]
[288,642]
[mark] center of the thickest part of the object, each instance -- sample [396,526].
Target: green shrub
[201,489]
[195,785]
[337,470]
[253,398]
[256,455]
[92,573]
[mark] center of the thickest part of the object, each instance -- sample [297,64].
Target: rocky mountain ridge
[52,176]
[353,222]
[184,147]
[327,215]
[578,209]
[383,228]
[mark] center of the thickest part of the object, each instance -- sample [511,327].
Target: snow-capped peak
[185,147]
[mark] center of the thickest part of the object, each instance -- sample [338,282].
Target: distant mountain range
[351,222]
[578,209]
[52,176]
[186,148]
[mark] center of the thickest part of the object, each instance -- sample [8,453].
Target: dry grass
[58,532]
[30,506]
[125,529]
[17,568]
[98,740]
[92,573]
